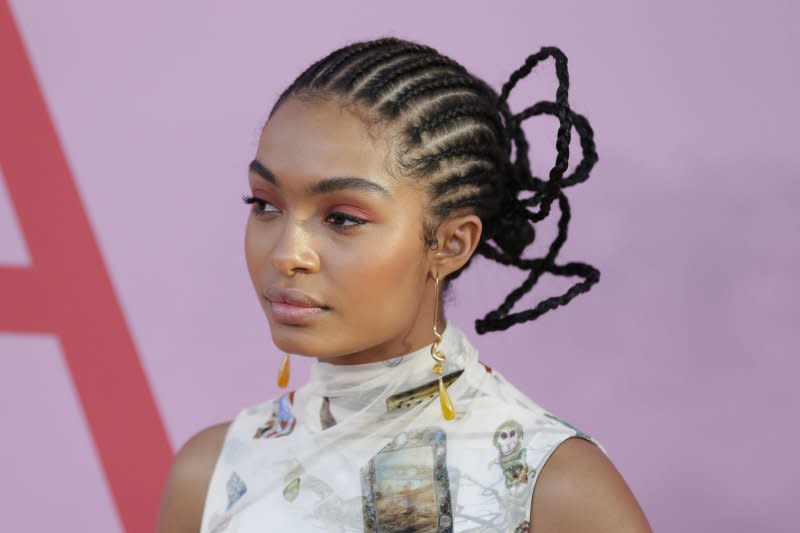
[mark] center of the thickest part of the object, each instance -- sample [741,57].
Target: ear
[456,238]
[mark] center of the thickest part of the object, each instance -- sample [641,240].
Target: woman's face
[331,222]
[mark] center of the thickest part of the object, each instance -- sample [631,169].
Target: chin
[297,339]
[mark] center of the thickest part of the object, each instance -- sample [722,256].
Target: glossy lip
[292,306]
[293,297]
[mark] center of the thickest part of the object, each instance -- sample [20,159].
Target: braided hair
[455,134]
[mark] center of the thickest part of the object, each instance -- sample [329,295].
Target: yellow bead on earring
[448,409]
[283,372]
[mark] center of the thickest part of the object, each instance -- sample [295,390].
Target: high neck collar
[357,387]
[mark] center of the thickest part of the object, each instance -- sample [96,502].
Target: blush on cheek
[386,287]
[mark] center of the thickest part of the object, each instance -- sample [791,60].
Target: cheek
[383,271]
[254,246]
[249,245]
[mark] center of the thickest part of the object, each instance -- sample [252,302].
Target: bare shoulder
[187,484]
[580,489]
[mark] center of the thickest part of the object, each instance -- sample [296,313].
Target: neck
[421,334]
[356,385]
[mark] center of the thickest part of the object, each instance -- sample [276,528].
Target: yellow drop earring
[448,410]
[283,372]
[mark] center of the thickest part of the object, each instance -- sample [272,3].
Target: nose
[293,251]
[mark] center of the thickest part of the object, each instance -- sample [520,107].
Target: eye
[343,221]
[513,433]
[503,435]
[259,205]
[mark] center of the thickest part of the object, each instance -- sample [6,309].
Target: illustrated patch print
[235,488]
[421,393]
[405,487]
[326,419]
[511,455]
[281,422]
[292,489]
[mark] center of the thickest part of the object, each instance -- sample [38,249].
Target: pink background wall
[682,360]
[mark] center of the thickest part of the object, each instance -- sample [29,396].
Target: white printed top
[365,448]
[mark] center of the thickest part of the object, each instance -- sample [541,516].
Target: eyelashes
[258,204]
[259,209]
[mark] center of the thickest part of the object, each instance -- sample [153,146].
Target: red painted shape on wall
[67,292]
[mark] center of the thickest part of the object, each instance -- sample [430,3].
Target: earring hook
[435,352]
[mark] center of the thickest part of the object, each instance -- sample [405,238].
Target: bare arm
[187,484]
[579,489]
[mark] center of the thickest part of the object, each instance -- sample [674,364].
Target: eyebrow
[337,183]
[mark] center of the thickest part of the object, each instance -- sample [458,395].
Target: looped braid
[544,194]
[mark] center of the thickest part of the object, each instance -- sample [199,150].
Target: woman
[379,174]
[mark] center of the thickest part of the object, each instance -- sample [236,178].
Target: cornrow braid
[453,113]
[306,79]
[455,135]
[347,54]
[345,83]
[426,86]
[389,75]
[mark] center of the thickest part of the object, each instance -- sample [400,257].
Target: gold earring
[448,410]
[283,372]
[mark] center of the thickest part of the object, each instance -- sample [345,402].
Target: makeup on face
[328,219]
[292,306]
[350,201]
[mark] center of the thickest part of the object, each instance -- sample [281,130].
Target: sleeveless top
[365,448]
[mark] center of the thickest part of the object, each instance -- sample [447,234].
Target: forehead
[317,138]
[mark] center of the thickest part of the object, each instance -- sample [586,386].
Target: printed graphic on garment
[578,432]
[511,455]
[292,478]
[292,489]
[523,527]
[417,395]
[281,422]
[405,487]
[326,419]
[235,488]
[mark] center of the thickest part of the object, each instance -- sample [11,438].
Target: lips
[293,297]
[293,306]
